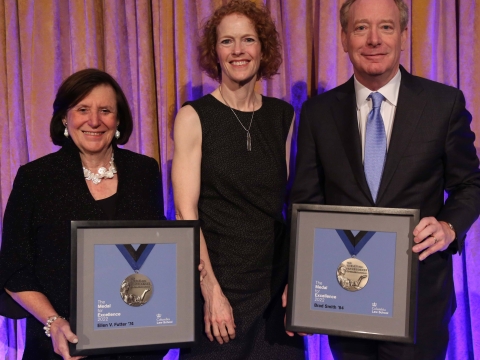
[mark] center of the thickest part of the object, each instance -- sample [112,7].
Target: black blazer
[47,194]
[431,150]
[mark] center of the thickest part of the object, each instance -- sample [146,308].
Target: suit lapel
[345,116]
[410,105]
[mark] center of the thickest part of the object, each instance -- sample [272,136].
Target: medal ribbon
[135,258]
[355,243]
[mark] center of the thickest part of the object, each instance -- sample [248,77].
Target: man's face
[374,41]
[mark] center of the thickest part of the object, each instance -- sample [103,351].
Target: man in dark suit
[400,149]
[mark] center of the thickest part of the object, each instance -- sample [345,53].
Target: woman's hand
[39,306]
[218,313]
[203,271]
[61,334]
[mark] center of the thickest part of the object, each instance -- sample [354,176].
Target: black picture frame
[399,324]
[183,332]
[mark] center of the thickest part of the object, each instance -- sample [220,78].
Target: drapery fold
[149,46]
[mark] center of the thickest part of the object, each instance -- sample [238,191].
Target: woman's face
[93,121]
[238,49]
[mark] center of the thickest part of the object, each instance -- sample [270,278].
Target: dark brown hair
[402,7]
[74,89]
[265,28]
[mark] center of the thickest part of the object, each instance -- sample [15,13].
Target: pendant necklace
[249,139]
[352,273]
[102,173]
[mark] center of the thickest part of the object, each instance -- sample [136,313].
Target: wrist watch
[453,229]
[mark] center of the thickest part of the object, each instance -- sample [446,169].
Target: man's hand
[431,236]
[284,304]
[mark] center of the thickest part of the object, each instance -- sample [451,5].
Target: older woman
[89,178]
[230,171]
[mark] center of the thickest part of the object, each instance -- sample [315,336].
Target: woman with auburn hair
[230,170]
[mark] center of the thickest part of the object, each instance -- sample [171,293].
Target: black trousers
[432,348]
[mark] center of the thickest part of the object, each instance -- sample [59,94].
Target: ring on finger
[434,239]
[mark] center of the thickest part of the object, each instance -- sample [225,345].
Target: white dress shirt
[388,108]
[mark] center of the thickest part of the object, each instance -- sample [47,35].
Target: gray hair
[402,7]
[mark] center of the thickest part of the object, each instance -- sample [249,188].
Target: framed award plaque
[134,285]
[353,272]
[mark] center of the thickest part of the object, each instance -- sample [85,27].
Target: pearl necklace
[102,173]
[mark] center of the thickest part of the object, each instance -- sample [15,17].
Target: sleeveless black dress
[240,207]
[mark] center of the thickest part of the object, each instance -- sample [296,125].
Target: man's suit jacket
[431,150]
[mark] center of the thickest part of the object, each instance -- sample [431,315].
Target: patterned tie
[375,145]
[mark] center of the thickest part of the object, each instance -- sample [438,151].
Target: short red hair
[266,31]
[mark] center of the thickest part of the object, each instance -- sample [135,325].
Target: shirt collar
[389,90]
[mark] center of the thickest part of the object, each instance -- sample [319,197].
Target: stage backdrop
[150,48]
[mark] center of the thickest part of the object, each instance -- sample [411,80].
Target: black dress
[240,207]
[47,194]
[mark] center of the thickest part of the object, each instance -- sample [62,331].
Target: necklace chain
[249,139]
[102,173]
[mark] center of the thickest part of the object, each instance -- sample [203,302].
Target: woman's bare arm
[219,322]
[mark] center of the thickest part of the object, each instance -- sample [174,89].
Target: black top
[240,207]
[47,194]
[109,205]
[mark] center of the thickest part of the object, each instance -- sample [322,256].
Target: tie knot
[377,99]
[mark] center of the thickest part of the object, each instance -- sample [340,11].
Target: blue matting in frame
[378,254]
[111,269]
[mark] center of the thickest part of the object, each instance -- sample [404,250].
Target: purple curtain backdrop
[149,46]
